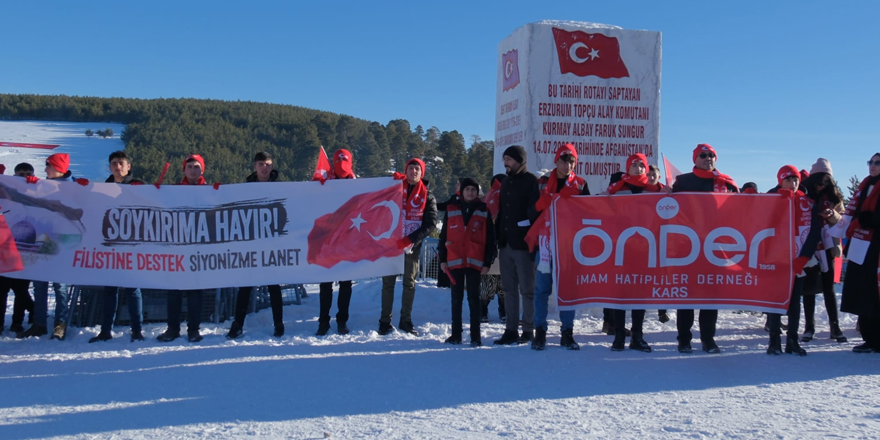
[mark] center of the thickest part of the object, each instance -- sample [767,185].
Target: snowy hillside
[88,155]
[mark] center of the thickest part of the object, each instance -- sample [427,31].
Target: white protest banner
[186,237]
[592,85]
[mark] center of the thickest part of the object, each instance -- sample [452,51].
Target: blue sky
[766,83]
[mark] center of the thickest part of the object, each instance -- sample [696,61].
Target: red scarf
[571,188]
[414,206]
[856,230]
[721,180]
[640,181]
[201,181]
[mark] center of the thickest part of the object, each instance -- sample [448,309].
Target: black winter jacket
[519,192]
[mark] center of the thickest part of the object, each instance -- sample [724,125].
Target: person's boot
[323,328]
[279,330]
[341,328]
[102,336]
[385,328]
[34,330]
[836,334]
[508,338]
[663,316]
[168,336]
[809,331]
[16,328]
[568,341]
[235,331]
[709,346]
[638,343]
[60,331]
[619,343]
[454,338]
[775,347]
[137,335]
[792,347]
[540,340]
[863,348]
[194,336]
[684,346]
[407,326]
[527,336]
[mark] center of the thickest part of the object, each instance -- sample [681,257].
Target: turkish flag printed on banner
[586,54]
[366,227]
[10,259]
[510,61]
[685,251]
[322,168]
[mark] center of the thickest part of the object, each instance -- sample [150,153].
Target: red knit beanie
[418,161]
[59,161]
[638,156]
[704,148]
[566,149]
[786,172]
[197,158]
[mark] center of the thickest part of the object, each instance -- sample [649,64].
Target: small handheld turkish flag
[10,260]
[322,169]
[586,54]
[366,227]
[671,171]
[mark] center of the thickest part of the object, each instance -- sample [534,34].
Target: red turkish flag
[671,171]
[586,54]
[366,227]
[10,260]
[322,169]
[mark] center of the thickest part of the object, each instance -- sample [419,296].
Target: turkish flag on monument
[366,227]
[586,54]
[10,260]
[322,168]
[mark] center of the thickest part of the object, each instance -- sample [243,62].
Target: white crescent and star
[508,69]
[395,219]
[572,52]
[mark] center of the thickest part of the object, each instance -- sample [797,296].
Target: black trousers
[638,319]
[23,300]
[342,302]
[469,278]
[243,302]
[794,312]
[685,320]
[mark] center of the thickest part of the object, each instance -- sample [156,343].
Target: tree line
[228,134]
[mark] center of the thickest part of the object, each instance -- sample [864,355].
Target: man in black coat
[264,171]
[519,192]
[704,178]
[120,172]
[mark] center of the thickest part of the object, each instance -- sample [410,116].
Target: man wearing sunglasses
[704,178]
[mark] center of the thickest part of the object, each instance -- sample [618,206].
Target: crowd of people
[506,223]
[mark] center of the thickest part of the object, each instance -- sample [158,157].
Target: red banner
[686,251]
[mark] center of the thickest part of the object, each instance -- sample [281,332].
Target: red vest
[465,244]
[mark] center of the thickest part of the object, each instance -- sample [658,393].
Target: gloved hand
[403,243]
[787,193]
[136,182]
[2,168]
[216,185]
[81,181]
[31,179]
[399,176]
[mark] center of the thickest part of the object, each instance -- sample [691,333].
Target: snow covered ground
[88,155]
[399,386]
[403,387]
